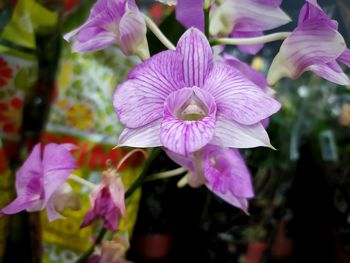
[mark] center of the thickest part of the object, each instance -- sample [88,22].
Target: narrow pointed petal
[117,191]
[140,100]
[249,49]
[197,57]
[190,13]
[98,42]
[58,164]
[241,203]
[186,136]
[21,203]
[237,98]
[234,135]
[132,29]
[253,75]
[246,16]
[345,57]
[328,73]
[185,161]
[29,176]
[143,137]
[257,15]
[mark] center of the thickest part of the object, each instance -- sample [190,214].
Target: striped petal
[58,163]
[234,135]
[140,100]
[186,136]
[246,16]
[314,45]
[132,30]
[143,137]
[238,98]
[345,57]
[197,57]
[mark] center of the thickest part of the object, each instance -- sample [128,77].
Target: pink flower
[40,182]
[112,22]
[183,100]
[222,170]
[314,45]
[107,201]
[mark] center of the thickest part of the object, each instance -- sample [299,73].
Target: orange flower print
[5,72]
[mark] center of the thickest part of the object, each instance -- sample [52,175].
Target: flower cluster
[199,107]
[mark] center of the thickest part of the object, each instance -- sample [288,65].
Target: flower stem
[166,174]
[158,33]
[250,40]
[154,154]
[127,156]
[84,257]
[82,181]
[206,17]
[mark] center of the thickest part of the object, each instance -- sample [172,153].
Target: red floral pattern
[5,72]
[11,115]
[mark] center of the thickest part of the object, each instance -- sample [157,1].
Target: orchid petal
[253,75]
[21,203]
[313,44]
[58,164]
[327,72]
[185,136]
[140,100]
[241,203]
[197,57]
[232,134]
[133,30]
[143,137]
[100,41]
[246,16]
[238,98]
[229,173]
[116,188]
[190,13]
[249,49]
[345,57]
[185,161]
[29,176]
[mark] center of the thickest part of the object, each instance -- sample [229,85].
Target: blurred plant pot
[282,246]
[255,252]
[153,245]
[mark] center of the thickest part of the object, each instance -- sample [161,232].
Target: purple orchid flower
[183,100]
[238,18]
[222,170]
[107,201]
[112,22]
[247,18]
[40,182]
[315,45]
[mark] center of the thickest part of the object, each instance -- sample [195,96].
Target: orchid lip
[192,110]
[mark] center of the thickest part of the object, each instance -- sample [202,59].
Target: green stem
[206,17]
[250,40]
[84,257]
[167,174]
[154,154]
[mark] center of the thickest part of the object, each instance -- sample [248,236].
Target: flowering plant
[198,107]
